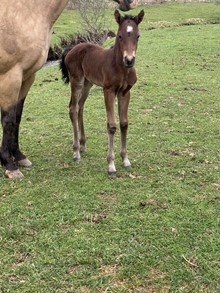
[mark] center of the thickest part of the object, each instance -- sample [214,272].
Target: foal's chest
[129,78]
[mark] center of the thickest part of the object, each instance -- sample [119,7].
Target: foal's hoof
[15,174]
[25,163]
[128,168]
[112,174]
[76,159]
[82,149]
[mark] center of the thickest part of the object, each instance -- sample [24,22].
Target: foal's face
[127,36]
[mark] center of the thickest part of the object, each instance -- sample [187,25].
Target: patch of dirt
[153,204]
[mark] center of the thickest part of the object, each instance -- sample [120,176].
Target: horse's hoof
[76,159]
[15,174]
[82,149]
[126,164]
[112,174]
[25,163]
[128,168]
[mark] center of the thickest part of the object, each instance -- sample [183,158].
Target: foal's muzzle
[129,62]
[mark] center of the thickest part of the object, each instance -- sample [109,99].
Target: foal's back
[86,60]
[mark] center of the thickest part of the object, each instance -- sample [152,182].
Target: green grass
[68,227]
[68,24]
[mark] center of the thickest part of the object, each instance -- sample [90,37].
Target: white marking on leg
[76,156]
[111,168]
[25,163]
[111,155]
[124,156]
[126,163]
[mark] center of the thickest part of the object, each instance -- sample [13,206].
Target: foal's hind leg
[76,115]
[123,102]
[84,95]
[73,114]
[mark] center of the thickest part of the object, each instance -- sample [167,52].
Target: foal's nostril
[129,62]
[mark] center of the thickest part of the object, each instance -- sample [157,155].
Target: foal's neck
[118,56]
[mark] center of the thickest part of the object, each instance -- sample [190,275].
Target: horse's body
[112,69]
[25,30]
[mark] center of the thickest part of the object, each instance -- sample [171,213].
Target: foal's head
[127,36]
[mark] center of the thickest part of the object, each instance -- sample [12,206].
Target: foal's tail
[63,69]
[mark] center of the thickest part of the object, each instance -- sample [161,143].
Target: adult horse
[25,30]
[113,70]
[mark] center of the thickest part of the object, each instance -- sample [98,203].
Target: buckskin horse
[113,70]
[25,31]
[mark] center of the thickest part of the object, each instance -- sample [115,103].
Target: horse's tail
[63,69]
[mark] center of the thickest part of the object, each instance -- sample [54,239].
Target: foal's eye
[138,36]
[120,37]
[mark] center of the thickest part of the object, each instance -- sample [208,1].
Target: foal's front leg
[111,128]
[123,102]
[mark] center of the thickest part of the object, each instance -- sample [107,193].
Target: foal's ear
[117,16]
[139,17]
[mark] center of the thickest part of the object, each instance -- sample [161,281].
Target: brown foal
[25,26]
[113,70]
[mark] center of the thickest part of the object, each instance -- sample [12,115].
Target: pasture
[69,227]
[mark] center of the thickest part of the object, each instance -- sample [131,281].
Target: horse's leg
[111,128]
[76,90]
[10,119]
[19,157]
[85,93]
[123,102]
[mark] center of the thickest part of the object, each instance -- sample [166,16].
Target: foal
[112,69]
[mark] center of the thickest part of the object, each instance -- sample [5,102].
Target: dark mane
[127,17]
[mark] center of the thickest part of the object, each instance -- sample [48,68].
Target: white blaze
[129,57]
[129,29]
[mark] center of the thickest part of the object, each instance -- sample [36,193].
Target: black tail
[63,69]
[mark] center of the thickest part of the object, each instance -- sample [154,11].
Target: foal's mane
[127,17]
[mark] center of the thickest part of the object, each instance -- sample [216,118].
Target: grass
[68,227]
